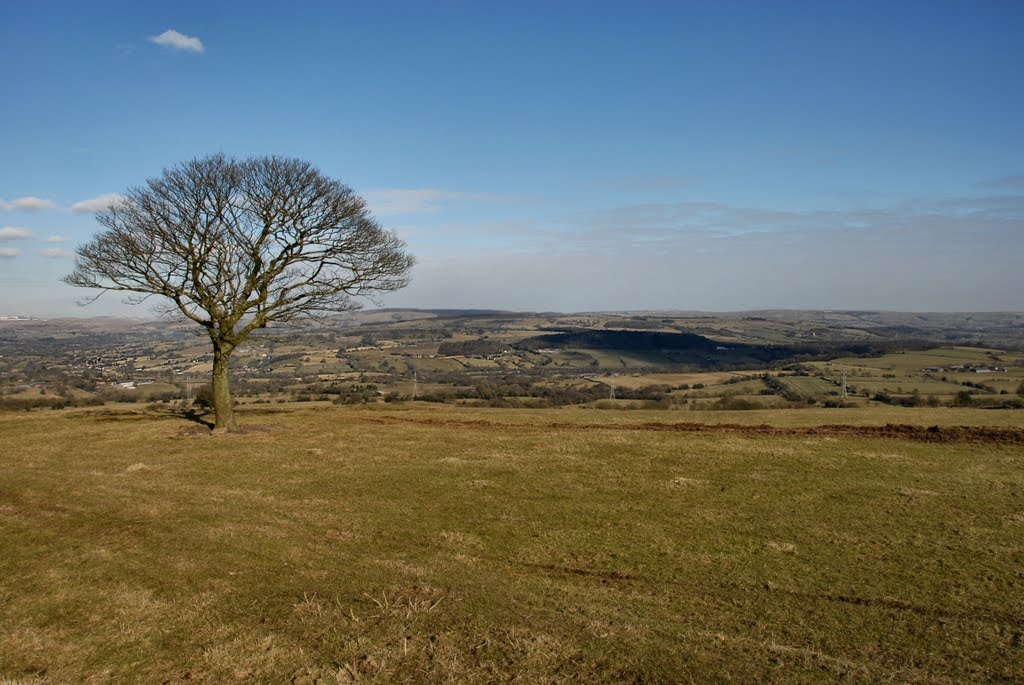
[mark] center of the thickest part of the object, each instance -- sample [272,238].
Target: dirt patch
[898,431]
[602,575]
[784,547]
[114,415]
[939,434]
[684,481]
[200,431]
[979,614]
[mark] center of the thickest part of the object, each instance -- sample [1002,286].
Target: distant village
[965,368]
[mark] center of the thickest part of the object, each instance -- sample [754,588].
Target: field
[636,381]
[940,373]
[672,360]
[810,387]
[428,543]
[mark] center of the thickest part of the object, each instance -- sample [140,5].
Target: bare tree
[237,245]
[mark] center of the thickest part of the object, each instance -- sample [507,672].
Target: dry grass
[330,545]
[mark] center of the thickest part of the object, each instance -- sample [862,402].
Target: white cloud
[26,204]
[717,256]
[96,204]
[399,201]
[643,183]
[9,252]
[56,253]
[178,41]
[1014,182]
[56,239]
[394,201]
[12,233]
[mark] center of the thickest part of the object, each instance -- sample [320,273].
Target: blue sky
[553,155]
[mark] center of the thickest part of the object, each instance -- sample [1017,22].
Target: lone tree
[237,245]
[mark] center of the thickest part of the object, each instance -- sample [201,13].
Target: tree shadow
[197,417]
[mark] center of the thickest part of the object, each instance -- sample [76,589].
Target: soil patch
[899,431]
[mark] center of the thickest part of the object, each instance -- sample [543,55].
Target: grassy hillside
[457,545]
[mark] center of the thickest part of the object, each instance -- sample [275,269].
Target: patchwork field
[726,362]
[635,381]
[408,543]
[810,387]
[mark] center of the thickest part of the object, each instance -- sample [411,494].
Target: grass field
[807,386]
[634,381]
[918,361]
[409,543]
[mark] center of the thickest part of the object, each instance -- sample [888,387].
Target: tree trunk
[224,412]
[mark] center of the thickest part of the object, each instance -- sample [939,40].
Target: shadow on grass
[196,416]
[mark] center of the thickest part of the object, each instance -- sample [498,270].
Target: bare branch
[236,245]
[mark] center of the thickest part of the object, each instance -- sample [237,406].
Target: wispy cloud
[921,255]
[178,41]
[55,239]
[643,183]
[12,233]
[396,201]
[96,204]
[9,252]
[1015,182]
[950,221]
[26,204]
[56,253]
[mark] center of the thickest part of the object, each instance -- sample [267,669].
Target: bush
[28,404]
[839,404]
[736,404]
[962,399]
[204,397]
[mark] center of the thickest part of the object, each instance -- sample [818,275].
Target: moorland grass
[413,544]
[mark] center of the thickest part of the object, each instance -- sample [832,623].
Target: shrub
[962,399]
[736,404]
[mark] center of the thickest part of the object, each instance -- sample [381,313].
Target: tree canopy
[238,245]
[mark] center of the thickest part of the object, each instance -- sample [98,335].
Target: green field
[414,543]
[922,359]
[930,373]
[638,380]
[806,386]
[905,385]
